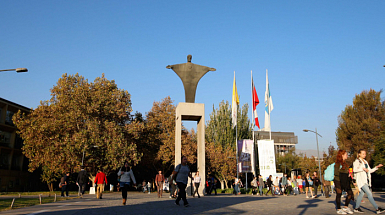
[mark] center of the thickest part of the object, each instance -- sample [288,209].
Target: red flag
[255,103]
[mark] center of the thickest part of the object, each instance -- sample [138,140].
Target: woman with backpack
[341,182]
[362,175]
[309,185]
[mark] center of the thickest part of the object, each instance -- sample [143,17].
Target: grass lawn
[28,200]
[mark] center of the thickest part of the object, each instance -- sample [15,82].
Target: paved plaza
[143,203]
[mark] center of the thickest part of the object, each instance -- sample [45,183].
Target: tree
[160,139]
[359,125]
[288,161]
[220,140]
[221,162]
[219,128]
[81,117]
[379,155]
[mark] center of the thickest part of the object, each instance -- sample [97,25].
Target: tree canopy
[81,117]
[360,124]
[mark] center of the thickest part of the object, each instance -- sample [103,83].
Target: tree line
[92,123]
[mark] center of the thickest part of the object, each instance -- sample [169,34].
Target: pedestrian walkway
[139,203]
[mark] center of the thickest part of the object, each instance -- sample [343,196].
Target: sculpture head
[189,57]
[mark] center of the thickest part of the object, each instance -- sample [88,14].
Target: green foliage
[220,140]
[359,125]
[219,127]
[290,160]
[379,155]
[93,118]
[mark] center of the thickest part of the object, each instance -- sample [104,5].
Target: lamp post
[84,151]
[17,70]
[319,160]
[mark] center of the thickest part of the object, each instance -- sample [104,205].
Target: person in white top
[362,175]
[126,176]
[197,182]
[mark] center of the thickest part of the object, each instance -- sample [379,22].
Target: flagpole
[269,108]
[252,110]
[236,143]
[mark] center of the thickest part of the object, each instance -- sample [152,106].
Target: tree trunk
[50,187]
[227,186]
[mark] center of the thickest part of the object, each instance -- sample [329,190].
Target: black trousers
[182,193]
[82,187]
[196,189]
[64,188]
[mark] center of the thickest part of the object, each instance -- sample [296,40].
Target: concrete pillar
[192,112]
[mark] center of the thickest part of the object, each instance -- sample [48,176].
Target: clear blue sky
[319,54]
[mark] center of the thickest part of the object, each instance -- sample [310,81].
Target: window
[8,117]
[17,161]
[5,138]
[5,157]
[18,142]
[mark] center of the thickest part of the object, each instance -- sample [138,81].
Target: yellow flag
[235,103]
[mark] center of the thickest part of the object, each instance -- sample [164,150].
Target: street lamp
[319,160]
[17,70]
[84,151]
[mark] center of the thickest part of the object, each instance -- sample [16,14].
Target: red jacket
[100,178]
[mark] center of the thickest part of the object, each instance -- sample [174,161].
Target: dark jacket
[82,177]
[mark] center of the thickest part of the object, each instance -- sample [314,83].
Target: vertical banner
[266,158]
[246,156]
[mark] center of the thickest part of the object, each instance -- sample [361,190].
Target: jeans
[365,189]
[315,189]
[261,190]
[236,189]
[327,190]
[182,193]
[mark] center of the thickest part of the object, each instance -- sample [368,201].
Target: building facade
[283,141]
[14,173]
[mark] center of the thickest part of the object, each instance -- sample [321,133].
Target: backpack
[329,172]
[62,182]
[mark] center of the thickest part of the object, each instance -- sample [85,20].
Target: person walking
[65,184]
[341,182]
[284,183]
[270,186]
[327,187]
[316,183]
[276,186]
[237,184]
[362,175]
[299,184]
[197,182]
[82,181]
[254,186]
[308,185]
[181,174]
[159,180]
[126,176]
[100,181]
[261,185]
[289,187]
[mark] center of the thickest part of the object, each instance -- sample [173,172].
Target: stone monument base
[192,112]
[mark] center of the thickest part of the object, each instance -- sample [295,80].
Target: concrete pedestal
[192,112]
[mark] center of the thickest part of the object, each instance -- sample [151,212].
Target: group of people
[286,185]
[359,176]
[361,180]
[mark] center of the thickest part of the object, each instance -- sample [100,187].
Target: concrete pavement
[143,203]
